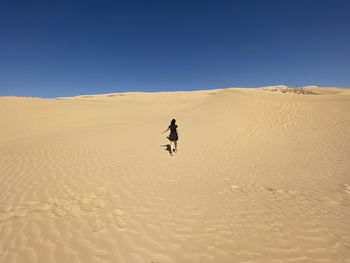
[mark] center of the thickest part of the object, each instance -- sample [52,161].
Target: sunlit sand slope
[262,175]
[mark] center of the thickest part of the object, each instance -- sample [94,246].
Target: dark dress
[173,133]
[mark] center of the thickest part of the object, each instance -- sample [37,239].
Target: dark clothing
[173,133]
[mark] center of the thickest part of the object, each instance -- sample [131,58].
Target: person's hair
[173,122]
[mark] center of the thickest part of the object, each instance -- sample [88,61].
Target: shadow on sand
[167,148]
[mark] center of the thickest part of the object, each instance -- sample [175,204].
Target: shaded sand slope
[262,175]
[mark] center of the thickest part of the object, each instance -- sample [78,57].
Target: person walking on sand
[173,137]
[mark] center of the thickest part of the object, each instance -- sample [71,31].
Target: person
[173,137]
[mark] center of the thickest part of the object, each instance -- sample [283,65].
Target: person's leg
[171,147]
[175,145]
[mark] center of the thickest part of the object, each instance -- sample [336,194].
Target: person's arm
[165,130]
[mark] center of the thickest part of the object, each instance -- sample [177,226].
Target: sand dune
[262,175]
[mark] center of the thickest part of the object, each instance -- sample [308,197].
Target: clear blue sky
[66,48]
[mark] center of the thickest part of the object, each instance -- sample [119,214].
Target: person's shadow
[167,148]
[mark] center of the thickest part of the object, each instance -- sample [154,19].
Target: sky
[68,48]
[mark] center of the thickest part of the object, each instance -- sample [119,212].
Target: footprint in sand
[347,188]
[118,212]
[120,220]
[97,224]
[270,189]
[59,211]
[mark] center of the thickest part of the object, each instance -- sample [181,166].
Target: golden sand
[262,175]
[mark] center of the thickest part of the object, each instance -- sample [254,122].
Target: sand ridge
[261,176]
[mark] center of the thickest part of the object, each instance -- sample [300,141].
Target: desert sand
[262,175]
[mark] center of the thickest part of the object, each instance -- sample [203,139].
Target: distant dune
[262,175]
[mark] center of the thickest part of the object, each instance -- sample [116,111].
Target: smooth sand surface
[262,175]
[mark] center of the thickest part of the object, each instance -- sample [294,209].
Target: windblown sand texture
[262,175]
